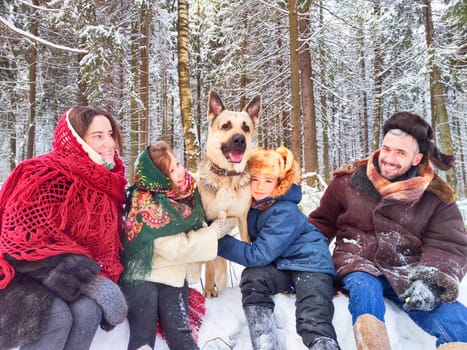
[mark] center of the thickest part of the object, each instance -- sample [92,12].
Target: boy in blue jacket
[287,254]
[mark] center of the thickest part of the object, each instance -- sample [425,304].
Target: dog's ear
[215,105]
[253,108]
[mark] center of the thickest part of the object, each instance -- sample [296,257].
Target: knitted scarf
[409,190]
[155,209]
[62,202]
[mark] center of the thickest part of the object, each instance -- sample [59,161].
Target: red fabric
[196,311]
[62,202]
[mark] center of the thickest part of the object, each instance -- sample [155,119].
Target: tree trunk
[198,102]
[324,106]
[32,84]
[364,113]
[439,113]
[378,64]
[310,144]
[144,58]
[134,111]
[191,146]
[296,141]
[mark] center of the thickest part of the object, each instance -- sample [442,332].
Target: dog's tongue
[235,157]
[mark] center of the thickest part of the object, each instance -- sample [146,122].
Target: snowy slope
[224,326]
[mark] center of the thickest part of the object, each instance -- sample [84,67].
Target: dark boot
[262,327]
[325,343]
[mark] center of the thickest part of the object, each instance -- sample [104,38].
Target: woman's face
[176,172]
[100,137]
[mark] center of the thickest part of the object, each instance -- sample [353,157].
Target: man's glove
[110,298]
[223,226]
[421,296]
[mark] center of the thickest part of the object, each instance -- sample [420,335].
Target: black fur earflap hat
[423,133]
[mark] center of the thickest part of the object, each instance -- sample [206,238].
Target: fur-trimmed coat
[26,301]
[405,230]
[280,234]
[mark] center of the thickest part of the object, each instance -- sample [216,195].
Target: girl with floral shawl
[165,244]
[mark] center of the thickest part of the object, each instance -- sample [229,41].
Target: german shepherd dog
[223,177]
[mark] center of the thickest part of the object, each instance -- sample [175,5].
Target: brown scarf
[409,190]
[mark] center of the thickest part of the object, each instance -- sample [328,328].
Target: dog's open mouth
[232,155]
[235,157]
[234,149]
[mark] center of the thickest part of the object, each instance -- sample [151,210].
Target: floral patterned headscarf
[155,209]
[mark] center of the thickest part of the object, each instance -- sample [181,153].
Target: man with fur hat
[399,235]
[287,254]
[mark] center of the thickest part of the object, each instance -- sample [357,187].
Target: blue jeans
[447,322]
[70,326]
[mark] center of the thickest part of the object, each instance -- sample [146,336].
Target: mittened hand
[224,226]
[110,298]
[421,296]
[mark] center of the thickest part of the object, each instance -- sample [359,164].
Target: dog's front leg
[210,290]
[215,277]
[243,228]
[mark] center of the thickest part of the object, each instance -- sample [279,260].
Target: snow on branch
[12,27]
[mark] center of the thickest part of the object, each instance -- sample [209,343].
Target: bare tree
[310,149]
[192,150]
[32,84]
[295,82]
[144,57]
[378,80]
[439,113]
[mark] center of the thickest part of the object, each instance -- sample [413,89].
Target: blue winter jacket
[282,236]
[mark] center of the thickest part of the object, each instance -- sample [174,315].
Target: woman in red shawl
[60,219]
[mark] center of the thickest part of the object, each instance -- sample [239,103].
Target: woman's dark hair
[81,117]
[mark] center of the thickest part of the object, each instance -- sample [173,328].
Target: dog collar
[223,172]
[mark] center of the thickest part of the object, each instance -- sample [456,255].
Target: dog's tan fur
[223,178]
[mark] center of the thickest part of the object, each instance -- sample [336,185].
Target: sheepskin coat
[405,230]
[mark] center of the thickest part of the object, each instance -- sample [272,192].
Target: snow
[224,325]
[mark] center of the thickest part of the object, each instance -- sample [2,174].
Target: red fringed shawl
[62,202]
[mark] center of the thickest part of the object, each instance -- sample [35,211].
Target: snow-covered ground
[224,325]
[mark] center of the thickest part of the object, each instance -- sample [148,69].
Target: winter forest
[329,73]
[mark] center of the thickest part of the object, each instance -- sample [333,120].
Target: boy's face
[262,186]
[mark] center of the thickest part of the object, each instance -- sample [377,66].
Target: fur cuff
[433,276]
[71,275]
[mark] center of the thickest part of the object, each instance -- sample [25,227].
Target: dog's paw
[211,292]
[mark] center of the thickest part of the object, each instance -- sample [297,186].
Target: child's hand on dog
[223,224]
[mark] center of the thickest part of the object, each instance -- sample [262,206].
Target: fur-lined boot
[370,333]
[453,346]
